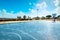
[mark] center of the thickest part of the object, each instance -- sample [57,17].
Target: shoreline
[5,22]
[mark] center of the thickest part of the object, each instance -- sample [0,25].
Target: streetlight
[54,16]
[37,12]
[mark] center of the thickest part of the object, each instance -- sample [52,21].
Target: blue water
[34,30]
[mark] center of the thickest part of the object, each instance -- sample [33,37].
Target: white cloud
[0,11]
[56,2]
[3,11]
[32,12]
[42,10]
[29,9]
[20,13]
[42,5]
[5,14]
[12,12]
[57,9]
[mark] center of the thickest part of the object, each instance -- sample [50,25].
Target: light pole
[37,12]
[54,16]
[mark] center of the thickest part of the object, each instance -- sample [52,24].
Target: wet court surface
[36,30]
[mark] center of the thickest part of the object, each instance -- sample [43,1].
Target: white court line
[28,35]
[15,34]
[23,33]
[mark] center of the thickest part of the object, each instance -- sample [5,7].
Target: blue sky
[16,5]
[14,8]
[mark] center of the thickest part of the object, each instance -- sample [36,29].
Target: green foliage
[24,17]
[58,16]
[42,17]
[48,16]
[19,17]
[37,18]
[28,17]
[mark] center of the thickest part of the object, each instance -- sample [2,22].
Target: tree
[42,17]
[37,18]
[58,16]
[29,18]
[24,17]
[19,17]
[48,16]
